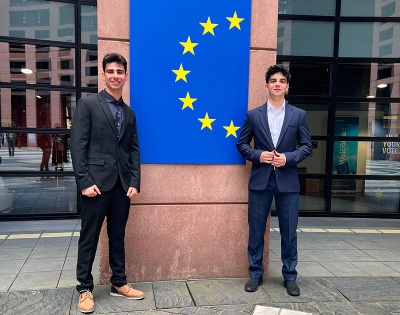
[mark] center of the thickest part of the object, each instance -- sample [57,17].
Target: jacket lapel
[286,121]
[107,111]
[126,119]
[263,115]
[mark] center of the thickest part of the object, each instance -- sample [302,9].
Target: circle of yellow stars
[181,73]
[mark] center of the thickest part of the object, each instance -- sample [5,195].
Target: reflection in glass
[317,116]
[307,7]
[38,195]
[89,68]
[369,8]
[36,109]
[366,157]
[374,119]
[305,38]
[315,163]
[369,80]
[46,151]
[43,64]
[369,39]
[365,196]
[38,19]
[89,24]
[312,194]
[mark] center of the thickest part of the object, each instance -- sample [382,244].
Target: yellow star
[231,130]
[235,21]
[208,27]
[188,46]
[180,74]
[187,101]
[206,122]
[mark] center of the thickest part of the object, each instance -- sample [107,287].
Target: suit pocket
[94,161]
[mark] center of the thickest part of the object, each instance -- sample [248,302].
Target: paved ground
[346,266]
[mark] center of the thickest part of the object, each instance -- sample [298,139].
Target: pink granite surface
[113,17]
[171,242]
[264,23]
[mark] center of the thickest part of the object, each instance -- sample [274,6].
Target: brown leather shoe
[127,292]
[85,302]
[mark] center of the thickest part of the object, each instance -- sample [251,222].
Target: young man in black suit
[106,162]
[281,140]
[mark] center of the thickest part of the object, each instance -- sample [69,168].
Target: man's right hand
[91,191]
[267,157]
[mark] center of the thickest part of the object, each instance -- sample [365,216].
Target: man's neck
[277,103]
[116,94]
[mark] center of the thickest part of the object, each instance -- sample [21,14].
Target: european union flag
[189,78]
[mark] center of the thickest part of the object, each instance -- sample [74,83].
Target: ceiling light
[370,96]
[27,71]
[381,86]
[38,96]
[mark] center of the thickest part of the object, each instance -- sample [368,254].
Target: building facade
[344,56]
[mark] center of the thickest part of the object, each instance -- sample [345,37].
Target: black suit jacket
[294,141]
[98,156]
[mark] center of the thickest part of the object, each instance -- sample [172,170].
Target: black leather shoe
[291,287]
[252,284]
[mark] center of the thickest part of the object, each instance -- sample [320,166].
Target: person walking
[106,162]
[281,140]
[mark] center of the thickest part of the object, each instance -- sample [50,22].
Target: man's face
[277,85]
[115,76]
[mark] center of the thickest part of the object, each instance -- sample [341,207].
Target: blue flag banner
[189,78]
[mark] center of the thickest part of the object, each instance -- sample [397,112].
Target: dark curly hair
[277,69]
[114,57]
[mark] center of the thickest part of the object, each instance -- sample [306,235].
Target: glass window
[306,38]
[309,78]
[369,8]
[38,19]
[365,196]
[89,24]
[317,116]
[364,39]
[37,195]
[369,80]
[366,157]
[372,119]
[36,109]
[29,151]
[307,7]
[312,194]
[38,64]
[89,68]
[315,163]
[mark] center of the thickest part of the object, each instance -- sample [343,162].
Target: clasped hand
[269,157]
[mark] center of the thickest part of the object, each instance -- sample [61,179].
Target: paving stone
[44,302]
[11,266]
[312,289]
[68,279]
[354,255]
[376,268]
[392,306]
[19,243]
[322,254]
[312,269]
[36,280]
[336,308]
[105,303]
[15,253]
[383,255]
[224,292]
[172,294]
[43,264]
[6,281]
[343,269]
[369,308]
[44,252]
[268,310]
[367,289]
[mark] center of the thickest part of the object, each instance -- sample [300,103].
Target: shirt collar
[269,106]
[111,99]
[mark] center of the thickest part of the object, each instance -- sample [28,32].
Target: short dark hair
[114,57]
[277,69]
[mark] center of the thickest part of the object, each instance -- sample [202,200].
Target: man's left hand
[132,192]
[279,159]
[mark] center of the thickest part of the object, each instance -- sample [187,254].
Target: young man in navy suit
[281,140]
[106,161]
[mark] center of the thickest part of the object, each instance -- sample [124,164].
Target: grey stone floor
[346,266]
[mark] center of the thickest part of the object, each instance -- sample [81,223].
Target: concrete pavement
[346,266]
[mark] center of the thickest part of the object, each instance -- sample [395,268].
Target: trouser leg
[287,207]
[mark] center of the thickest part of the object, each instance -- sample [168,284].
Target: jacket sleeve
[134,157]
[243,143]
[80,134]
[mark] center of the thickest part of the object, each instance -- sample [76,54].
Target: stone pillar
[190,221]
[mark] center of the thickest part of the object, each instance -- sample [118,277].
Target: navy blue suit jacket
[294,141]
